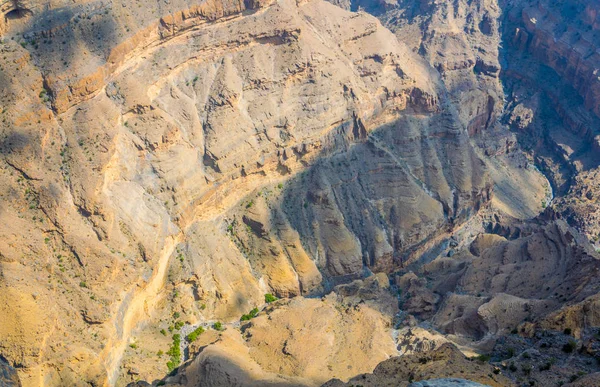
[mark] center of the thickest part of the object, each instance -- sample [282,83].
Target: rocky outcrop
[506,283]
[279,346]
[549,70]
[187,161]
[460,39]
[571,51]
[8,375]
[579,207]
[444,362]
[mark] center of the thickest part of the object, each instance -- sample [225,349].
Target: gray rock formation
[446,383]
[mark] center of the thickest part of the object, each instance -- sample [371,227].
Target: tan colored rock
[281,345]
[133,134]
[445,362]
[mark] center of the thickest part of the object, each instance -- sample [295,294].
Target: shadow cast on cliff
[8,375]
[218,370]
[366,189]
[57,37]
[562,130]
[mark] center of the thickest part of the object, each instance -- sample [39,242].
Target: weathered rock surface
[8,375]
[499,284]
[300,342]
[445,362]
[138,138]
[164,165]
[446,383]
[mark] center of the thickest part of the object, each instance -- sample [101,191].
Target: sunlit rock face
[164,165]
[135,137]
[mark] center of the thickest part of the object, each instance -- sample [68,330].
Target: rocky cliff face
[444,362]
[166,165]
[554,103]
[563,36]
[189,160]
[461,40]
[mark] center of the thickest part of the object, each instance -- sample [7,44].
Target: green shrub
[546,367]
[194,335]
[218,326]
[510,352]
[174,350]
[270,298]
[176,315]
[250,315]
[175,353]
[171,365]
[483,358]
[163,332]
[570,346]
[179,325]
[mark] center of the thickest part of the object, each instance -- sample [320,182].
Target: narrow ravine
[134,307]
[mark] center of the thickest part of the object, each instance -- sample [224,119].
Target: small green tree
[194,334]
[175,352]
[250,315]
[270,298]
[570,346]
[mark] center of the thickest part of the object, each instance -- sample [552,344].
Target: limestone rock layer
[196,156]
[384,168]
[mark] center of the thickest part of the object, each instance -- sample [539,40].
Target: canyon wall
[186,160]
[167,164]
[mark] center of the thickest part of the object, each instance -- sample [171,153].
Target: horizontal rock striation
[571,51]
[135,135]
